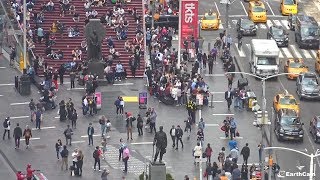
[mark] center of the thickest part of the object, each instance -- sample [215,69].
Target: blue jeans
[236,102]
[38,124]
[103,129]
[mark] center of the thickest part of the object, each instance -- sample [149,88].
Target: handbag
[237,134]
[223,128]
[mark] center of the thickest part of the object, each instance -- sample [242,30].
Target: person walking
[38,119]
[200,136]
[129,124]
[59,148]
[191,108]
[210,63]
[140,125]
[74,118]
[117,104]
[72,79]
[27,135]
[153,118]
[161,142]
[121,147]
[222,157]
[104,147]
[64,155]
[188,128]
[201,124]
[104,174]
[197,153]
[125,158]
[102,122]
[61,73]
[6,126]
[228,96]
[74,158]
[234,154]
[96,157]
[233,127]
[17,134]
[80,162]
[173,135]
[68,134]
[55,79]
[208,152]
[90,132]
[179,134]
[121,105]
[32,107]
[245,152]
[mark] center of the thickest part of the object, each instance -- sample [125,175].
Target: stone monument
[95,34]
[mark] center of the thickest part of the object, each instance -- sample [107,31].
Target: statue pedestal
[157,171]
[96,68]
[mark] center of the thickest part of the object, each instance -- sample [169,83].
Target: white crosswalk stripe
[262,26]
[240,51]
[277,22]
[306,54]
[220,26]
[314,53]
[287,52]
[285,24]
[281,55]
[295,51]
[269,23]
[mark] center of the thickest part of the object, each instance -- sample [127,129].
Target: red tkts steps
[67,44]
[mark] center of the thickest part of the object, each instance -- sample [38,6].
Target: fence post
[209,47]
[211,100]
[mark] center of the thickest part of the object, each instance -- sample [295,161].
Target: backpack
[95,154]
[27,134]
[5,124]
[221,156]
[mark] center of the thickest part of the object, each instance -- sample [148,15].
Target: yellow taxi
[295,66]
[285,101]
[257,12]
[317,63]
[210,20]
[288,7]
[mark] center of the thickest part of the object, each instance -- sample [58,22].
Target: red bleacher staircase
[67,44]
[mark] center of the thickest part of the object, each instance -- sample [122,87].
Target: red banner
[189,20]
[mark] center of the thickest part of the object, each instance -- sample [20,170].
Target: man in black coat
[160,140]
[245,152]
[17,134]
[90,133]
[228,96]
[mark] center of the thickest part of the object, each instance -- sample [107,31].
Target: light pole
[227,3]
[24,34]
[264,121]
[311,156]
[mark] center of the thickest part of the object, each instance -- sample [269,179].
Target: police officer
[191,108]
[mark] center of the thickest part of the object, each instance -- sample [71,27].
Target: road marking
[244,9]
[210,125]
[287,52]
[234,21]
[77,142]
[217,101]
[223,114]
[285,24]
[314,53]
[3,67]
[277,22]
[75,88]
[237,16]
[280,54]
[269,23]
[7,84]
[270,8]
[230,139]
[57,117]
[1,95]
[23,103]
[19,117]
[30,139]
[215,75]
[262,26]
[49,127]
[216,92]
[306,54]
[217,8]
[64,83]
[124,84]
[240,51]
[95,135]
[220,26]
[295,51]
[141,143]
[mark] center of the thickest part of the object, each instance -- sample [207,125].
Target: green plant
[141,177]
[169,177]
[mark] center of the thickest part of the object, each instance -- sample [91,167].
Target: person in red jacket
[20,176]
[29,172]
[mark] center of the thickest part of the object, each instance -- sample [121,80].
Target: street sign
[143,100]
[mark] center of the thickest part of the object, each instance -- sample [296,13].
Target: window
[289,120]
[296,65]
[277,32]
[318,124]
[289,2]
[267,61]
[210,17]
[288,101]
[246,24]
[258,9]
[309,81]
[309,31]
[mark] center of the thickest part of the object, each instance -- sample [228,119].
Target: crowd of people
[162,7]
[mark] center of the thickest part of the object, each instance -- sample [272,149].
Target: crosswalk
[292,51]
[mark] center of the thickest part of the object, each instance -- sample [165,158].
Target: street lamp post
[311,156]
[24,34]
[264,121]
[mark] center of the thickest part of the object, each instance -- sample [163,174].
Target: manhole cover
[39,146]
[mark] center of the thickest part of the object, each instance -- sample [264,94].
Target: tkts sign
[189,19]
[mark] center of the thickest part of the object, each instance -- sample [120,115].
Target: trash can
[25,85]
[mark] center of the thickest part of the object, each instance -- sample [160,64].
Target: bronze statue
[160,141]
[95,33]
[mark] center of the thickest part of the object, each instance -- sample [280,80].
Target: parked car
[308,86]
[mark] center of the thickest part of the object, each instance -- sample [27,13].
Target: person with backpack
[96,156]
[188,126]
[17,134]
[129,124]
[6,126]
[140,125]
[64,155]
[32,107]
[102,122]
[27,135]
[68,134]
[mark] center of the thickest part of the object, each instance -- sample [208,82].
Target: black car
[246,27]
[314,128]
[279,35]
[308,86]
[292,21]
[288,125]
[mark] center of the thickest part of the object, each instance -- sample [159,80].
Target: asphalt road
[287,160]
